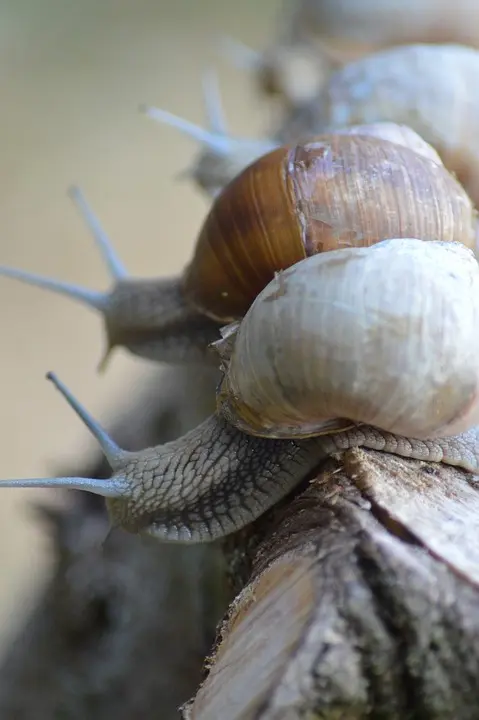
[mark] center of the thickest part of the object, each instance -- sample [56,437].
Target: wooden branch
[362,601]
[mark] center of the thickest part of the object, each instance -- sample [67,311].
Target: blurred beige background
[71,77]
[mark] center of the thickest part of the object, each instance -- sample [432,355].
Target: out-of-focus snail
[430,88]
[317,37]
[221,156]
[333,191]
[355,28]
[386,335]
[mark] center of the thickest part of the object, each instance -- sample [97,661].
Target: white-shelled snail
[317,37]
[404,300]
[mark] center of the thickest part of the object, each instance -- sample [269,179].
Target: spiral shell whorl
[387,336]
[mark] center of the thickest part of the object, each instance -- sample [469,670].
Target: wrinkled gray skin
[216,479]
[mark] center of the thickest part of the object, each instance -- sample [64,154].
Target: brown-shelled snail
[429,88]
[387,335]
[333,191]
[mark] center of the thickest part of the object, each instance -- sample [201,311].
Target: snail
[332,191]
[318,37]
[427,87]
[354,28]
[390,335]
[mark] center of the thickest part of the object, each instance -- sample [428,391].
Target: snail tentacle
[112,452]
[213,103]
[211,139]
[240,54]
[115,267]
[216,142]
[91,298]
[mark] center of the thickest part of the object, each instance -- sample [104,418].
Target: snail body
[217,478]
[426,87]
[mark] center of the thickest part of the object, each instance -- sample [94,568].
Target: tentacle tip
[74,191]
[243,56]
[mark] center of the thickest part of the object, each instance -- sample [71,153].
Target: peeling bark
[361,600]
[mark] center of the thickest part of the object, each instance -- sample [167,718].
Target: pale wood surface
[358,599]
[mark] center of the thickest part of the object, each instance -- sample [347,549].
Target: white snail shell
[386,335]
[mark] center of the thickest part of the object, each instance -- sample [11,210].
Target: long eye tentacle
[112,452]
[218,143]
[241,55]
[214,141]
[213,103]
[114,487]
[92,298]
[103,242]
[109,488]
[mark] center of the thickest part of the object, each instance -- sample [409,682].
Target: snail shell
[333,191]
[429,88]
[399,134]
[387,336]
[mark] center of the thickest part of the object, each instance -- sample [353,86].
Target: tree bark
[359,599]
